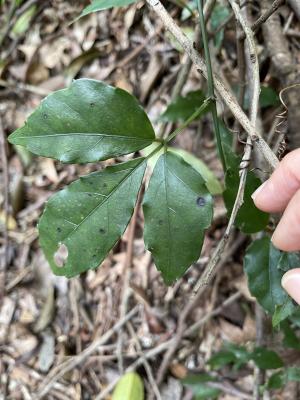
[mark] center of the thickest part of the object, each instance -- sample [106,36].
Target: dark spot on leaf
[101,230]
[104,185]
[92,104]
[160,222]
[94,255]
[201,201]
[58,229]
[89,194]
[45,116]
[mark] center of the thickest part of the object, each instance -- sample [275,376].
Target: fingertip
[291,283]
[263,197]
[255,195]
[287,233]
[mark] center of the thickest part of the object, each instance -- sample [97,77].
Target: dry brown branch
[4,163]
[186,312]
[126,291]
[146,364]
[223,91]
[254,84]
[171,343]
[60,370]
[265,16]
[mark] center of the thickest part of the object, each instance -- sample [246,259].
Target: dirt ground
[72,339]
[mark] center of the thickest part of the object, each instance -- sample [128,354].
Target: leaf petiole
[194,116]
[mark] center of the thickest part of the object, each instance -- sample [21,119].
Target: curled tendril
[282,118]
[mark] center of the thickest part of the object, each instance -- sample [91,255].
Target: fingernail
[258,190]
[291,284]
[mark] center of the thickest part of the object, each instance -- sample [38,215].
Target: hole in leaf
[61,255]
[201,201]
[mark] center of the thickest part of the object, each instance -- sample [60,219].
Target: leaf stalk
[194,116]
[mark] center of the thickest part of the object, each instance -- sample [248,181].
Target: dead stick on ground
[186,312]
[127,276]
[170,343]
[146,364]
[223,91]
[60,370]
[5,204]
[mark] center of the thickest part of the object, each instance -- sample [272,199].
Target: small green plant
[91,121]
[205,385]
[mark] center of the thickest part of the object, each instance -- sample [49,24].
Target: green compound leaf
[239,356]
[212,183]
[87,122]
[86,219]
[230,354]
[184,106]
[262,265]
[99,5]
[266,359]
[199,387]
[129,387]
[281,378]
[177,208]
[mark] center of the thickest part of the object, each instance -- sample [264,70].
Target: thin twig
[260,333]
[185,69]
[186,312]
[145,362]
[9,24]
[61,369]
[231,390]
[126,291]
[25,87]
[266,15]
[170,343]
[223,91]
[4,163]
[254,82]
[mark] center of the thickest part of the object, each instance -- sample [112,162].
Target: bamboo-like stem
[255,90]
[210,82]
[223,91]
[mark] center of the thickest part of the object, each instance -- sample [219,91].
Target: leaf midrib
[105,200]
[85,134]
[168,211]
